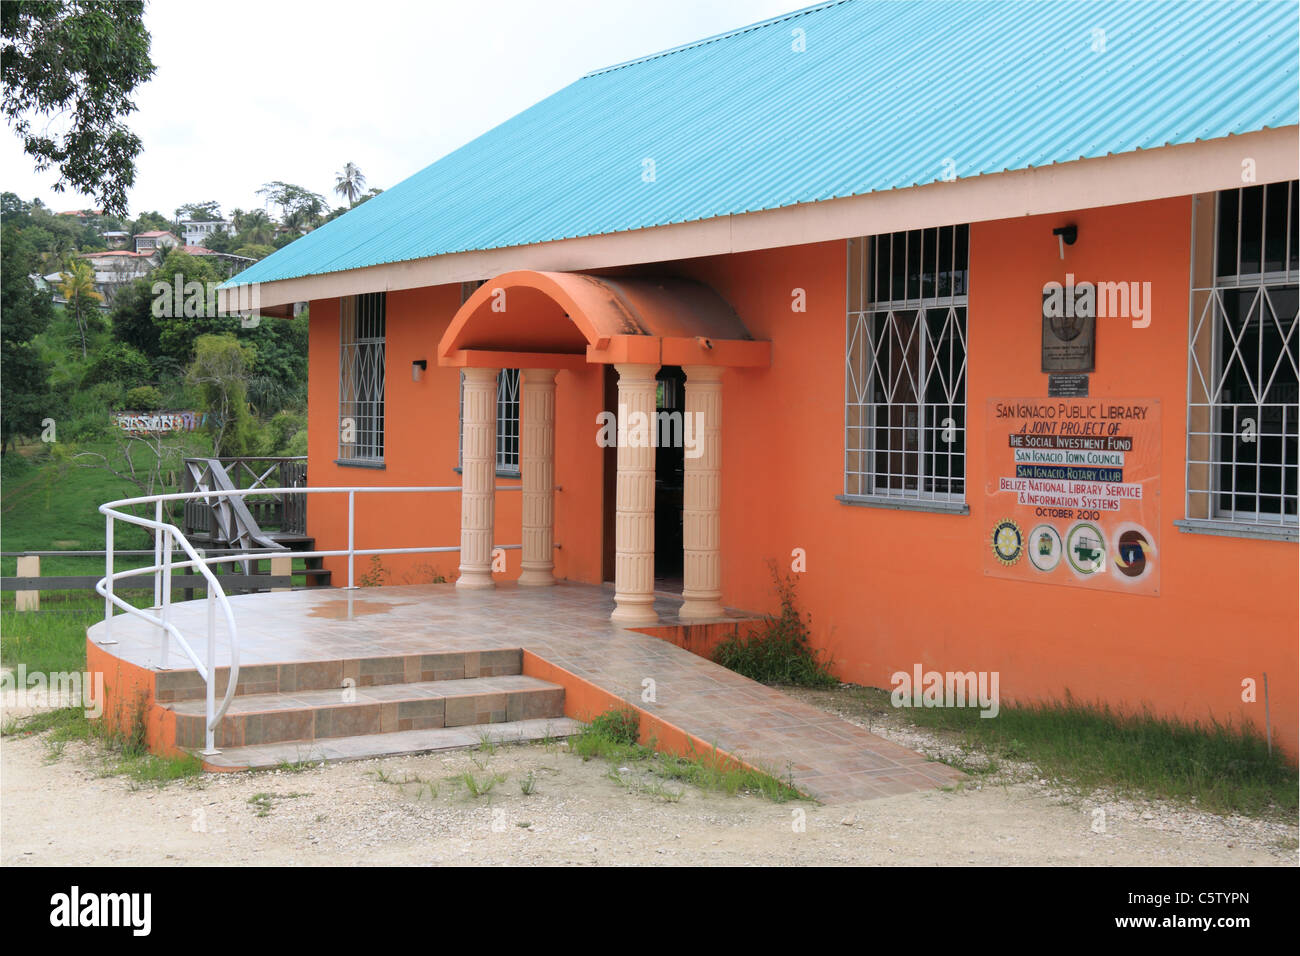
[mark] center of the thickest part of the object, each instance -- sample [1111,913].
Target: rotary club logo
[1008,542]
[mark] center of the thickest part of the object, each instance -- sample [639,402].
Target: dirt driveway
[59,809]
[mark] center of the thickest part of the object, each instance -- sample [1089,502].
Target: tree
[257,229]
[209,211]
[24,314]
[350,183]
[151,222]
[220,241]
[132,318]
[294,199]
[79,59]
[221,368]
[11,205]
[143,459]
[78,287]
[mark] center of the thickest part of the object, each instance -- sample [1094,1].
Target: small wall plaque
[1067,386]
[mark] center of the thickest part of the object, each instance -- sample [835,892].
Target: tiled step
[257,679]
[401,743]
[312,715]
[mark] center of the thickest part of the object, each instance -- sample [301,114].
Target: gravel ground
[1275,838]
[62,809]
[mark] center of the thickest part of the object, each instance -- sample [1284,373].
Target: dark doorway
[670,462]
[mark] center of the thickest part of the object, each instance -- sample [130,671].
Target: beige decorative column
[478,478]
[702,495]
[537,468]
[634,518]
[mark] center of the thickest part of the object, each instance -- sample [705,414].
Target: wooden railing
[262,511]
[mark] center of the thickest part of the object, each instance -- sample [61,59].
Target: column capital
[630,372]
[484,375]
[539,376]
[699,374]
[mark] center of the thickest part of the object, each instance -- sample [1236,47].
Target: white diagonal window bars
[905,367]
[1243,408]
[361,378]
[507,421]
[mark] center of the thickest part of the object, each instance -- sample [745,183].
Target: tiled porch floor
[568,626]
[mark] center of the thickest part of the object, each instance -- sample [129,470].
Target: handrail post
[166,597]
[108,580]
[352,506]
[211,706]
[157,557]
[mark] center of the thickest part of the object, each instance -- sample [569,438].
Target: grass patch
[264,803]
[780,651]
[1218,767]
[612,736]
[47,642]
[477,787]
[123,753]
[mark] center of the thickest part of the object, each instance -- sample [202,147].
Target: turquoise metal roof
[881,97]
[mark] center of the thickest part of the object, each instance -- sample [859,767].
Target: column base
[634,614]
[536,578]
[475,580]
[694,608]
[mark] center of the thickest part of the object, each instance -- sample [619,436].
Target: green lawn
[48,505]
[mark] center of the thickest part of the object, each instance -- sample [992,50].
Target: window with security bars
[905,366]
[507,421]
[361,378]
[1243,408]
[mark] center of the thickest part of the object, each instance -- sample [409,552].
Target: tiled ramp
[293,644]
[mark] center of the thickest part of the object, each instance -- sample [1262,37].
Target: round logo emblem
[1085,548]
[1008,542]
[1134,551]
[1045,547]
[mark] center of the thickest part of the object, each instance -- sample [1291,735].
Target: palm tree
[78,287]
[257,228]
[350,183]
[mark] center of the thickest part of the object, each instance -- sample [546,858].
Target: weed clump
[779,651]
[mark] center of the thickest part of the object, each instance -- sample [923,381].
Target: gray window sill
[905,504]
[501,472]
[360,463]
[1239,529]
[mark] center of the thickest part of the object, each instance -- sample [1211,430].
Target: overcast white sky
[249,91]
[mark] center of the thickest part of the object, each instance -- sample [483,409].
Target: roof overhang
[1138,176]
[530,319]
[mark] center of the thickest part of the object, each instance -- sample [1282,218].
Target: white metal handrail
[168,537]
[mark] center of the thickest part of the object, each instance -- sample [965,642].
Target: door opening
[670,464]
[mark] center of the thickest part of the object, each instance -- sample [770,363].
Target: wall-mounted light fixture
[417,369]
[1066,236]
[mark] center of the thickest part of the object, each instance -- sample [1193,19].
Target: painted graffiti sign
[159,423]
[1074,492]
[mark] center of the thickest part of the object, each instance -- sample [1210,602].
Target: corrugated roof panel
[883,95]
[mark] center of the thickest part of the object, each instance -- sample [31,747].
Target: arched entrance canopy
[528,319]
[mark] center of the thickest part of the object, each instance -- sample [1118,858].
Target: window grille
[507,452]
[1243,404]
[905,368]
[361,378]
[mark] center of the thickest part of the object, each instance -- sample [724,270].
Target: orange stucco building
[879,395]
